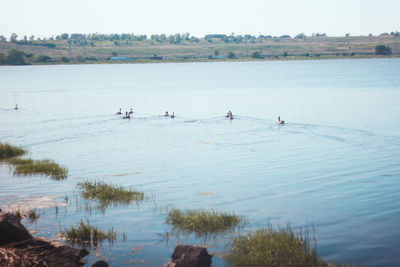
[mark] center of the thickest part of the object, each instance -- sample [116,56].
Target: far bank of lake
[88,49]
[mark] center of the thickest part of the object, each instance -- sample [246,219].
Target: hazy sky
[45,18]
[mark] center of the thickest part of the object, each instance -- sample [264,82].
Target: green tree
[300,36]
[231,55]
[186,36]
[216,52]
[257,55]
[320,34]
[13,38]
[42,58]
[80,58]
[178,38]
[3,59]
[16,57]
[383,50]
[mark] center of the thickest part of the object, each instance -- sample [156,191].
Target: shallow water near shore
[334,164]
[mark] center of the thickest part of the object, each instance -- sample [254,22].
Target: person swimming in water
[16,107]
[279,120]
[131,112]
[173,115]
[119,112]
[166,114]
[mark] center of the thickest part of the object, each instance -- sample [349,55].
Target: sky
[47,18]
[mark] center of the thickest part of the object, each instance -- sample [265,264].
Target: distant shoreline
[97,49]
[147,61]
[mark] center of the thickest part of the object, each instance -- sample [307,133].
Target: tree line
[18,57]
[83,39]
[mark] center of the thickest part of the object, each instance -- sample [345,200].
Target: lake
[334,165]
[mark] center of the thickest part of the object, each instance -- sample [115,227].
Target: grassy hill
[92,51]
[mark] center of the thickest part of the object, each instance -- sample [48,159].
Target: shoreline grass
[203,60]
[203,223]
[43,167]
[107,195]
[87,235]
[10,151]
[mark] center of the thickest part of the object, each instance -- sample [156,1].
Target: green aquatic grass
[30,215]
[33,215]
[107,195]
[88,235]
[17,213]
[9,151]
[44,167]
[19,161]
[203,223]
[269,247]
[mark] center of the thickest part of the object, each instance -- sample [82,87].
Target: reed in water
[9,151]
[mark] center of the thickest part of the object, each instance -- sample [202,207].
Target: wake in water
[240,128]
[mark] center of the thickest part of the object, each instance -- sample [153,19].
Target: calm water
[334,165]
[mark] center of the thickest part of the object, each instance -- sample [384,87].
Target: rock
[41,252]
[56,254]
[19,248]
[189,256]
[100,264]
[12,230]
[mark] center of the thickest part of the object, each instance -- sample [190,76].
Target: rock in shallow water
[189,256]
[19,248]
[100,264]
